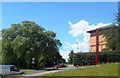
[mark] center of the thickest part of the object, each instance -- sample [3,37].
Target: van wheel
[1,75]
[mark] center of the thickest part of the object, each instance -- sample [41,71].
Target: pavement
[47,71]
[41,72]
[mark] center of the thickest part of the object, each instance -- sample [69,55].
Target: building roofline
[101,28]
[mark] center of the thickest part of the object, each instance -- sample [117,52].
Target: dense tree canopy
[113,35]
[112,38]
[71,57]
[88,58]
[26,40]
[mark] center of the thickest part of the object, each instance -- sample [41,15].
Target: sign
[33,60]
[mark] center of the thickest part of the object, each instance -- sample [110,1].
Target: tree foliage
[112,38]
[113,34]
[22,42]
[85,59]
[71,57]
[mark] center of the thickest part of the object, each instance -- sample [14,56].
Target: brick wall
[102,42]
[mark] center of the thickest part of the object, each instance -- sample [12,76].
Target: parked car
[9,70]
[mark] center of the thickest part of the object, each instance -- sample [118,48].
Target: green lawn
[99,70]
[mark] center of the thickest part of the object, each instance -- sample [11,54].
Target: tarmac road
[43,72]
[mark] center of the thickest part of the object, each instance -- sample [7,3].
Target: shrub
[85,59]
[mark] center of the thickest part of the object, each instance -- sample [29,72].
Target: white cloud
[77,29]
[68,45]
[78,46]
[65,54]
[81,28]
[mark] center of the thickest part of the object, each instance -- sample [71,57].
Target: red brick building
[102,41]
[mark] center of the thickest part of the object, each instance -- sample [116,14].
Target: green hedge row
[84,59]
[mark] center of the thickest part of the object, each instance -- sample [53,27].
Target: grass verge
[99,70]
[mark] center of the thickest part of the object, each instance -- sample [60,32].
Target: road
[43,72]
[70,67]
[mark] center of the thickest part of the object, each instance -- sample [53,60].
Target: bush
[85,59]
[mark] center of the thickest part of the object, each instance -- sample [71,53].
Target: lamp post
[73,60]
[54,60]
[77,47]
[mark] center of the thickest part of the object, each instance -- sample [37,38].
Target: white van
[9,69]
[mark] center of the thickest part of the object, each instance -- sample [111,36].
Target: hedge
[85,59]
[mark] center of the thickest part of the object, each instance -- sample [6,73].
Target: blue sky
[70,20]
[59,0]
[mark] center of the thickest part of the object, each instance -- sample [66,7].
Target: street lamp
[54,60]
[73,60]
[77,47]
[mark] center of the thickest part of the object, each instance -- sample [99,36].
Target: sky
[70,20]
[59,0]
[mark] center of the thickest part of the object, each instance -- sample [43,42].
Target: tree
[71,57]
[88,58]
[112,35]
[27,40]
[0,51]
[118,14]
